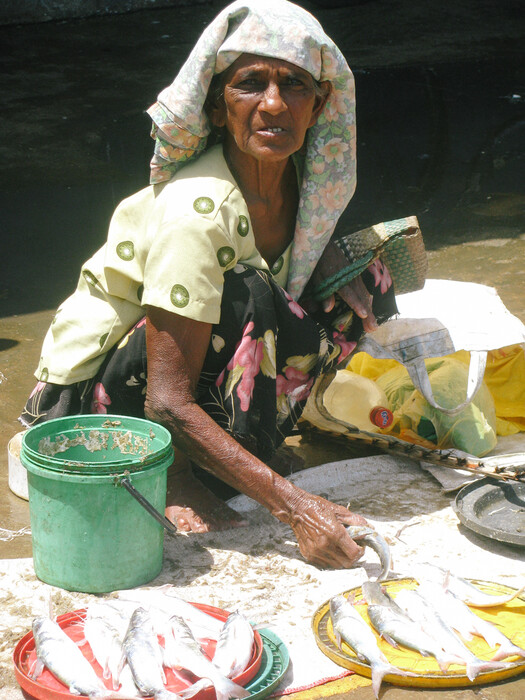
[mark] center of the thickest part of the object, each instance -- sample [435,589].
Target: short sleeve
[185,265]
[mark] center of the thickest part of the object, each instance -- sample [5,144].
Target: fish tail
[474,668]
[380,670]
[506,650]
[192,690]
[515,594]
[226,688]
[444,661]
[165,695]
[498,600]
[36,668]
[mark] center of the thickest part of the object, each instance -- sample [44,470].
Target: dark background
[440,123]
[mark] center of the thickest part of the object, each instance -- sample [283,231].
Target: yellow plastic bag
[472,430]
[504,377]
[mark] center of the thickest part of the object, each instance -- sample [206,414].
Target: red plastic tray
[47,687]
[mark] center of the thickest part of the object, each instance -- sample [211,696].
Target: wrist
[284,499]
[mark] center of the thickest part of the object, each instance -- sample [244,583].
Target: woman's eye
[250,84]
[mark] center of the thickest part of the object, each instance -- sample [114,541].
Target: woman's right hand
[354,293]
[319,527]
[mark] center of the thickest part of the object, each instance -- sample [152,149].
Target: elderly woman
[218,253]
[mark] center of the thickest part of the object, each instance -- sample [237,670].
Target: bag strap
[419,375]
[417,371]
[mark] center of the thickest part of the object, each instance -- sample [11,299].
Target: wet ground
[441,134]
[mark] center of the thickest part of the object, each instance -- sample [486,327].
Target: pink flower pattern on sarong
[39,386]
[247,358]
[347,346]
[295,383]
[295,308]
[100,399]
[381,274]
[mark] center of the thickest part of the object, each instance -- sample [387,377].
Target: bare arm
[176,350]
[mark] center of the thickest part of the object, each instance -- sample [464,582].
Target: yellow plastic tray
[510,619]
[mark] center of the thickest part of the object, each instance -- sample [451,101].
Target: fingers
[356,295]
[350,549]
[328,304]
[329,555]
[319,526]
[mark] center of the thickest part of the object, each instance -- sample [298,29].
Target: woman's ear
[323,91]
[216,111]
[214,105]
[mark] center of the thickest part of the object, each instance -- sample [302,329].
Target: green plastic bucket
[89,534]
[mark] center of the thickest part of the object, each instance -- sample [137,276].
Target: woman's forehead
[247,63]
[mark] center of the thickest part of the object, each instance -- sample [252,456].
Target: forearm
[200,438]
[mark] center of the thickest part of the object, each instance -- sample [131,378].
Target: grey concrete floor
[441,134]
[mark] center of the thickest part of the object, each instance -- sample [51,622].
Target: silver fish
[235,645]
[144,656]
[127,687]
[423,611]
[368,537]
[181,650]
[60,654]
[375,594]
[397,629]
[350,627]
[394,625]
[467,623]
[105,640]
[164,599]
[464,590]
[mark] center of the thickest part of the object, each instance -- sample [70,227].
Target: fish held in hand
[368,537]
[182,651]
[235,645]
[60,654]
[350,627]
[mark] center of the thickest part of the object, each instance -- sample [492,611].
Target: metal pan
[494,509]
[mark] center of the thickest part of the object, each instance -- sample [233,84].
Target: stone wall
[28,11]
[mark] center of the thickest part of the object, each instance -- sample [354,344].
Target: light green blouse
[168,246]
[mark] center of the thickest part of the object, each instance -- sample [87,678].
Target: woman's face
[267,106]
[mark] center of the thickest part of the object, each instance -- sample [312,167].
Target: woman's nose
[272,100]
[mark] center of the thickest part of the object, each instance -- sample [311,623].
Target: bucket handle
[162,519]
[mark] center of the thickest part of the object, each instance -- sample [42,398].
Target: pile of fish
[432,619]
[125,636]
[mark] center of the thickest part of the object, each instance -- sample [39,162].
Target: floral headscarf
[277,29]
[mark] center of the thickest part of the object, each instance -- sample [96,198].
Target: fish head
[372,592]
[336,603]
[38,623]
